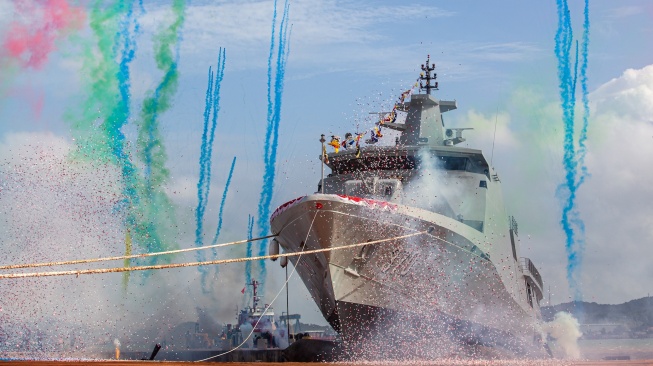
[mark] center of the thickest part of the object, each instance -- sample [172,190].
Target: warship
[460,276]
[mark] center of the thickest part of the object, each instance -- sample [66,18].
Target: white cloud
[630,95]
[613,202]
[326,35]
[625,11]
[616,198]
[502,52]
[315,22]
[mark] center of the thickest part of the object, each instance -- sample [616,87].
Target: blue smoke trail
[128,170]
[573,84]
[268,131]
[202,194]
[201,205]
[563,42]
[219,75]
[571,222]
[120,114]
[224,199]
[282,58]
[211,106]
[272,132]
[248,264]
[582,148]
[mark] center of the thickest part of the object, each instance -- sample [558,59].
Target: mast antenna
[496,118]
[426,75]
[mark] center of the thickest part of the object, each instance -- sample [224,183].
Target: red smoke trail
[32,38]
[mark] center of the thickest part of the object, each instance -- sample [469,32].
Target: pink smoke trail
[31,39]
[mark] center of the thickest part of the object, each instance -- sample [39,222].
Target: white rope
[273,300]
[195,264]
[142,255]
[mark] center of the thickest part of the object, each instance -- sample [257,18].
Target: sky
[345,59]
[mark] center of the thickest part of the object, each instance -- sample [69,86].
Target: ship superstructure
[463,278]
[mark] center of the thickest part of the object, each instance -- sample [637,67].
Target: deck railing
[527,266]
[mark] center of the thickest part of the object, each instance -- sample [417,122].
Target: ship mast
[426,75]
[255,298]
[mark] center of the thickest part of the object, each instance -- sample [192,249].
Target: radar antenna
[426,75]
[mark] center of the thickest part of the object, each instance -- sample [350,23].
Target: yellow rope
[142,255]
[195,264]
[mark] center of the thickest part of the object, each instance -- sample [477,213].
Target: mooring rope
[142,255]
[195,264]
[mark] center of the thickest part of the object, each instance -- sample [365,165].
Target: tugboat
[459,279]
[263,323]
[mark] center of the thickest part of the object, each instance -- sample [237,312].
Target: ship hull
[435,285]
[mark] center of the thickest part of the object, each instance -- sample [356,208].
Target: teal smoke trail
[282,59]
[571,222]
[212,107]
[222,202]
[573,84]
[268,131]
[248,264]
[124,84]
[215,106]
[202,195]
[120,113]
[221,212]
[271,143]
[582,148]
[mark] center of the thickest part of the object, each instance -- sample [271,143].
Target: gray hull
[444,285]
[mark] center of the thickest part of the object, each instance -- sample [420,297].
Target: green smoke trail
[156,206]
[94,131]
[98,131]
[106,110]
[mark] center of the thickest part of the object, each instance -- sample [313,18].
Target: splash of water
[571,222]
[275,98]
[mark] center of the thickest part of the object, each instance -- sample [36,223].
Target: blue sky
[349,58]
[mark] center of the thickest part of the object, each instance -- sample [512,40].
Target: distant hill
[634,314]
